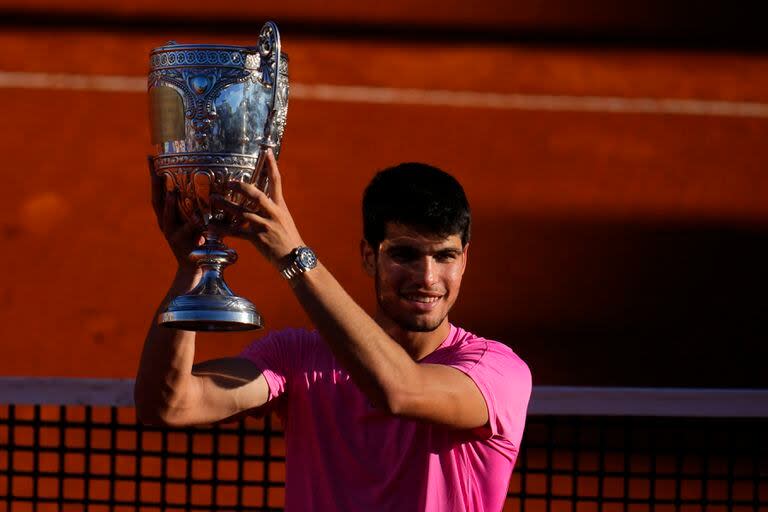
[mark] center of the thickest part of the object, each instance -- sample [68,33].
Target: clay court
[615,167]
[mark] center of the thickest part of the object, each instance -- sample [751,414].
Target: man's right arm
[171,391]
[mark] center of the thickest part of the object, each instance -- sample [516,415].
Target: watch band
[291,271]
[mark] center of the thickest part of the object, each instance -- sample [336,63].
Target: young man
[400,412]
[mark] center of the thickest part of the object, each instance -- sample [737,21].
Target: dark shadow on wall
[598,302]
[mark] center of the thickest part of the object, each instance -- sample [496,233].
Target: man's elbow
[160,416]
[149,412]
[399,402]
[150,417]
[157,411]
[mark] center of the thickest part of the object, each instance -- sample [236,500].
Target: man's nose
[426,272]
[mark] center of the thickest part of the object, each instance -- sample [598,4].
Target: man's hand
[268,224]
[182,237]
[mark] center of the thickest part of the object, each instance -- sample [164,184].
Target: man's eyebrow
[409,245]
[403,247]
[452,251]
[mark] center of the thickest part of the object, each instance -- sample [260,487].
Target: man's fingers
[255,197]
[238,211]
[274,177]
[242,229]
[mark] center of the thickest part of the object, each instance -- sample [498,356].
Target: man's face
[417,276]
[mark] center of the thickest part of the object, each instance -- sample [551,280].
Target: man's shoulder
[292,335]
[466,340]
[487,350]
[292,339]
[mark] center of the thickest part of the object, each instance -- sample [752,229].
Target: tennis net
[75,444]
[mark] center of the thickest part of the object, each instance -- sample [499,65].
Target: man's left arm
[382,369]
[380,366]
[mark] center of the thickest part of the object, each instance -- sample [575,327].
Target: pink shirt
[343,454]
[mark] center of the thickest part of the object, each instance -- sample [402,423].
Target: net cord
[545,400]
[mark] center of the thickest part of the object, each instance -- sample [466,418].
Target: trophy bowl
[214,112]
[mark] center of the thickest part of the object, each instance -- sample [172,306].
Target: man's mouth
[424,299]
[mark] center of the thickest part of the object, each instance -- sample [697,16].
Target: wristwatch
[300,260]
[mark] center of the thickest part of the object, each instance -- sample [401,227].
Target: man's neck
[418,344]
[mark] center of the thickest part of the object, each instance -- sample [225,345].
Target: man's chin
[413,321]
[419,324]
[420,328]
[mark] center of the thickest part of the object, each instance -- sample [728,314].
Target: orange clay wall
[619,191]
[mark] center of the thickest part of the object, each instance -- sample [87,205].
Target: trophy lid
[173,45]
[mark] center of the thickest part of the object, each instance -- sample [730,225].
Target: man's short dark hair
[416,195]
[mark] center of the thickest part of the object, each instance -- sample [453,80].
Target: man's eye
[402,256]
[445,257]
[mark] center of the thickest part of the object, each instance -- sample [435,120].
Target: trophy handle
[269,53]
[271,56]
[270,50]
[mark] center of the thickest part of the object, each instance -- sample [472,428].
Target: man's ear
[368,257]
[465,250]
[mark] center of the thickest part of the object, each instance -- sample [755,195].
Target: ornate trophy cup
[215,110]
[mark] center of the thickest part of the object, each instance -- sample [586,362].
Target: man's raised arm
[383,370]
[168,389]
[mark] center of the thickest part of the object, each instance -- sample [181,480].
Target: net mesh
[612,464]
[100,458]
[94,458]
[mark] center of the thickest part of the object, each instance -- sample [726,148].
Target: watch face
[306,258]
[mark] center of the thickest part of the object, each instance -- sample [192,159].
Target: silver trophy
[215,110]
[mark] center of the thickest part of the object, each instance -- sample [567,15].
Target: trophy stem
[212,258]
[211,305]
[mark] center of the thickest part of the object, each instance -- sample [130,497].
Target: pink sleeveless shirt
[342,454]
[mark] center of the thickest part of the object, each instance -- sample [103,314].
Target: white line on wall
[423,97]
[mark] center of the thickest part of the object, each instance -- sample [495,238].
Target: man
[401,411]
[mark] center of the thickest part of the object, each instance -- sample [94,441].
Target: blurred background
[614,155]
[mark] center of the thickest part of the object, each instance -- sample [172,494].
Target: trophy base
[210,313]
